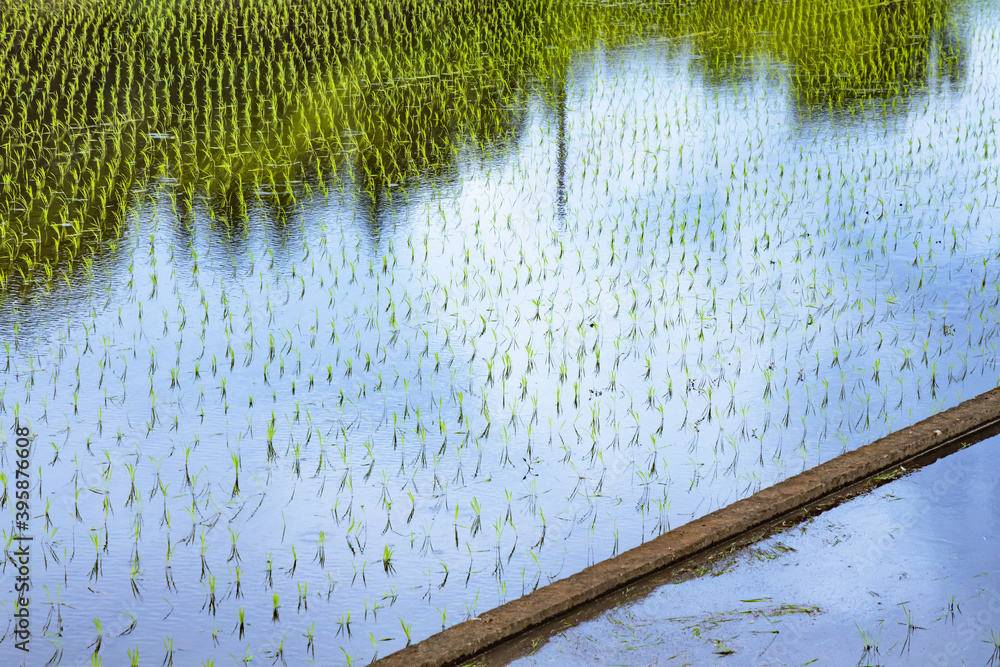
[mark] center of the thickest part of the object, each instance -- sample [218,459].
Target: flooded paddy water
[905,575]
[330,325]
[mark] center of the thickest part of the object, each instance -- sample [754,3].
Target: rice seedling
[344,624]
[96,644]
[240,622]
[953,606]
[870,642]
[168,645]
[387,555]
[910,628]
[310,635]
[993,639]
[210,600]
[304,596]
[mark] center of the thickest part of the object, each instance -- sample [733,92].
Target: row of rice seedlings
[296,110]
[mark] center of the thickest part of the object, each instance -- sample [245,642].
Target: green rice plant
[310,634]
[406,630]
[344,624]
[135,572]
[321,549]
[387,555]
[236,459]
[210,600]
[953,606]
[303,595]
[95,540]
[168,645]
[477,518]
[96,644]
[295,562]
[870,641]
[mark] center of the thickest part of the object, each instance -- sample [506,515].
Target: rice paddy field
[269,271]
[904,575]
